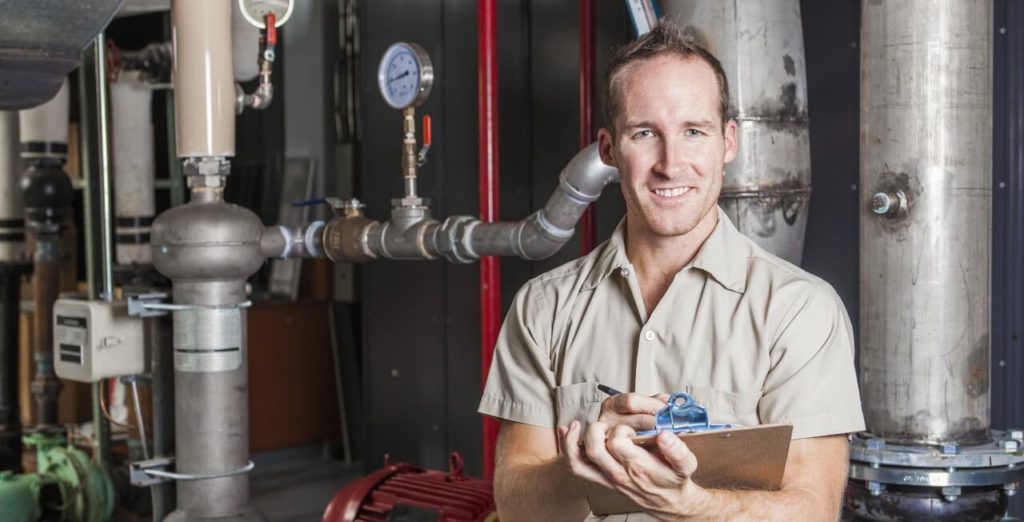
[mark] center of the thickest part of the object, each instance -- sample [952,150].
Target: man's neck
[657,259]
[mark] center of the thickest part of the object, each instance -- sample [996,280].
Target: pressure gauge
[254,11]
[405,75]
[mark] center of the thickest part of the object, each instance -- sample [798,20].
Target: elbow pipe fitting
[463,239]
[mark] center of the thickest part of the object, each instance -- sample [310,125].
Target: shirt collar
[723,255]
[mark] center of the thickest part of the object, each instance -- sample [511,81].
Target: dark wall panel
[832,50]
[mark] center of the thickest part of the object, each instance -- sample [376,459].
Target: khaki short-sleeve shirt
[753,338]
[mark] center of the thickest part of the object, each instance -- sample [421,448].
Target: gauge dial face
[254,11]
[405,75]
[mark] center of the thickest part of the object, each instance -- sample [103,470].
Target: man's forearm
[539,491]
[718,504]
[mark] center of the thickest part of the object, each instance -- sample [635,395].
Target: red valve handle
[426,130]
[270,24]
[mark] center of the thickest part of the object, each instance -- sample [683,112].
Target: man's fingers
[574,456]
[594,442]
[676,454]
[631,403]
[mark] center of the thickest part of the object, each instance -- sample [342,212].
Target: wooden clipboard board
[733,458]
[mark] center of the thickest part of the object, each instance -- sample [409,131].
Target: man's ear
[604,146]
[732,144]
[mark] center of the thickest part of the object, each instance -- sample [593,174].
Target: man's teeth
[672,192]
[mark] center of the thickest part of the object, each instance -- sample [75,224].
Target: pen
[608,389]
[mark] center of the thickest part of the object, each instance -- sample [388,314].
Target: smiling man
[676,300]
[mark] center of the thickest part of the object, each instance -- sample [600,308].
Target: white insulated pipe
[204,85]
[12,212]
[131,101]
[44,129]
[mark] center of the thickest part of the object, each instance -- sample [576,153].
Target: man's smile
[671,192]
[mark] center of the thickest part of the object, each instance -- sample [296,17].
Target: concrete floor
[296,485]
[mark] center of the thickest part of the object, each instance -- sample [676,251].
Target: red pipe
[490,269]
[588,225]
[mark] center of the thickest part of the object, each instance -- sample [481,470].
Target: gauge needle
[403,75]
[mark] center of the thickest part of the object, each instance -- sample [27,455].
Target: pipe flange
[1005,449]
[453,239]
[935,477]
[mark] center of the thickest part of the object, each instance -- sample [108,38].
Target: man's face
[669,143]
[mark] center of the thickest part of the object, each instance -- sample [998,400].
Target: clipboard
[729,458]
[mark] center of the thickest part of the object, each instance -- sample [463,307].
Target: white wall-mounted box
[94,340]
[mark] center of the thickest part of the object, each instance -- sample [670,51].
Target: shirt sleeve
[812,383]
[520,380]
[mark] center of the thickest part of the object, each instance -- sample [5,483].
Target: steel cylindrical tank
[760,44]
[925,225]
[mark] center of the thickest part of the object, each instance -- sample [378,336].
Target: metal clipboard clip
[682,414]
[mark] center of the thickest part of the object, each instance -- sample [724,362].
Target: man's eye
[693,132]
[643,134]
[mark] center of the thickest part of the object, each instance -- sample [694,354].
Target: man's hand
[632,409]
[660,484]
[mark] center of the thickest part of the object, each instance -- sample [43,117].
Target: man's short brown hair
[665,39]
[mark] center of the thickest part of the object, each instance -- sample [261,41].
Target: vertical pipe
[588,223]
[490,268]
[161,356]
[106,208]
[926,137]
[131,102]
[92,77]
[47,195]
[204,85]
[10,422]
[12,246]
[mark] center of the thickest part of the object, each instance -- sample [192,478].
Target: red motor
[407,492]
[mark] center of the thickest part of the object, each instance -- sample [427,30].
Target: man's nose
[672,160]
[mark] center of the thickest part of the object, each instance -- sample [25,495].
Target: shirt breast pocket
[727,407]
[580,401]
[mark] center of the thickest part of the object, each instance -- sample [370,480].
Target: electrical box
[94,340]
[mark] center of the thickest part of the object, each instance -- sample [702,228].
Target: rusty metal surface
[926,115]
[40,42]
[760,45]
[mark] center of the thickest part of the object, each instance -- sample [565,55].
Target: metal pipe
[47,196]
[208,248]
[490,267]
[10,418]
[767,188]
[45,290]
[12,247]
[588,224]
[412,234]
[926,132]
[90,78]
[106,210]
[161,357]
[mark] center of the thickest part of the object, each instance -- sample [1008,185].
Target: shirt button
[624,272]
[649,335]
